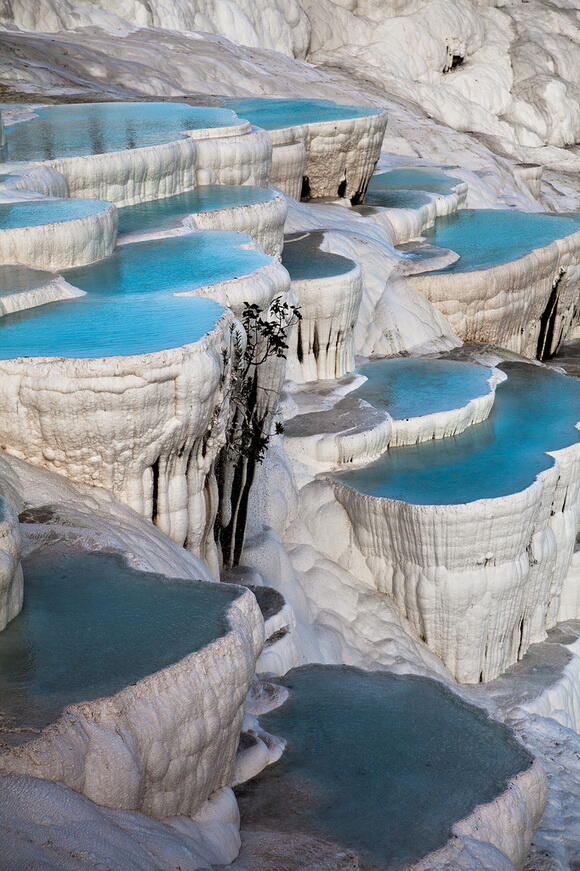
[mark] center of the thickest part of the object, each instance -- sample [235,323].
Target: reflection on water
[97,128]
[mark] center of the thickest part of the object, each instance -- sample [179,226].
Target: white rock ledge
[164,744]
[481,581]
[146,427]
[61,244]
[322,346]
[504,304]
[339,156]
[264,222]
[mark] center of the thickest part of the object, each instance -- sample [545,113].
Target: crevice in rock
[548,322]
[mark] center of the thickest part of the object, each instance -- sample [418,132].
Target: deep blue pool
[130,306]
[380,763]
[535,411]
[304,259]
[97,128]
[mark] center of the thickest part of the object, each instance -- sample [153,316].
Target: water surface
[412,178]
[303,257]
[34,213]
[381,763]
[535,410]
[170,211]
[488,237]
[81,129]
[91,625]
[130,305]
[411,387]
[273,113]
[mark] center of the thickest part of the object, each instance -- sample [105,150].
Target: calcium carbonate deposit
[289,435]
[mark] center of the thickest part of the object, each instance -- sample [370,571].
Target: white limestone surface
[503,304]
[147,427]
[11,579]
[245,158]
[322,346]
[393,317]
[44,287]
[340,155]
[163,745]
[481,581]
[288,164]
[61,244]
[47,825]
[126,177]
[264,222]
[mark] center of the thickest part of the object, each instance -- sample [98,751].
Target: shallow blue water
[130,307]
[487,237]
[33,213]
[395,199]
[91,625]
[97,128]
[411,387]
[273,113]
[381,763]
[304,259]
[170,211]
[417,178]
[535,411]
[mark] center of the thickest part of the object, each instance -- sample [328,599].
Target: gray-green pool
[92,625]
[380,763]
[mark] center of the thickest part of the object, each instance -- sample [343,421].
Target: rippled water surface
[411,387]
[488,237]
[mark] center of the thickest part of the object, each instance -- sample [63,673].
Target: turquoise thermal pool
[130,305]
[535,410]
[379,763]
[415,178]
[97,128]
[274,114]
[411,387]
[489,237]
[170,211]
[304,259]
[92,625]
[34,213]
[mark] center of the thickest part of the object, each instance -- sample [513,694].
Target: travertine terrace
[281,290]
